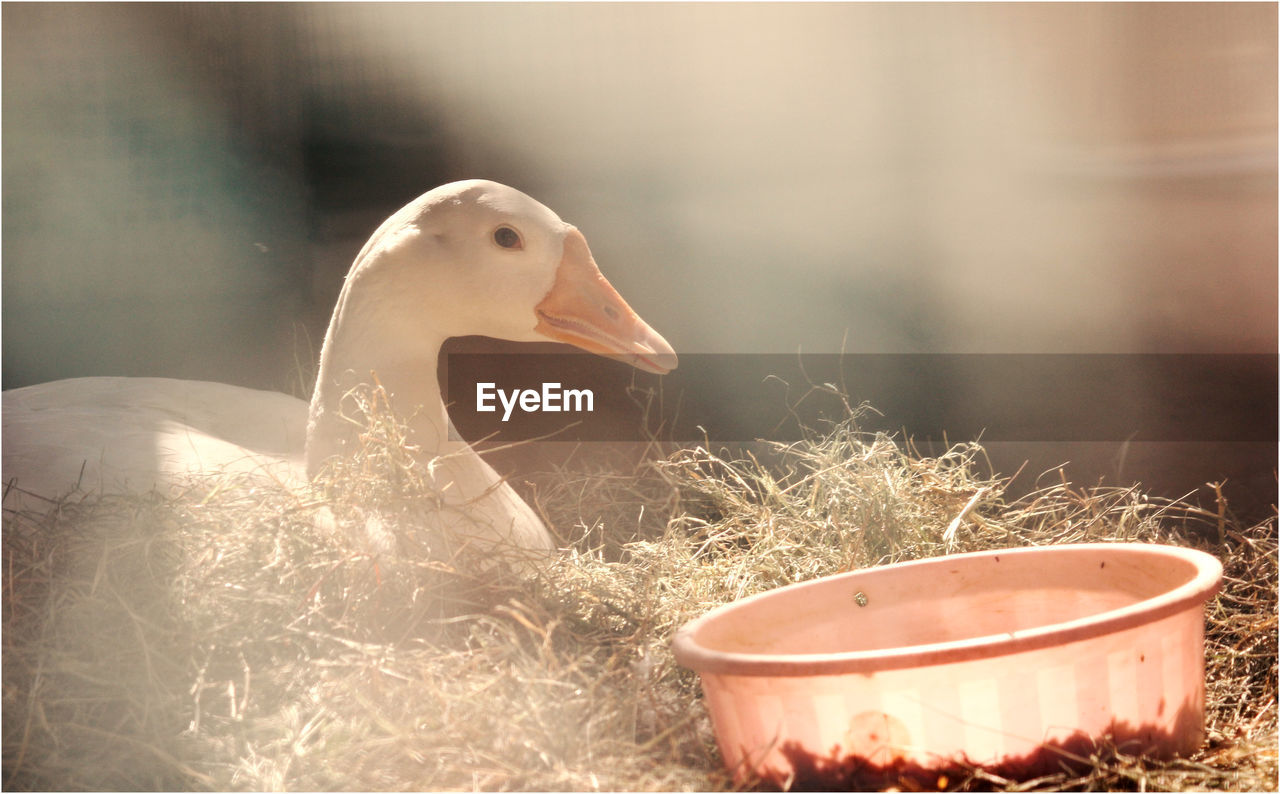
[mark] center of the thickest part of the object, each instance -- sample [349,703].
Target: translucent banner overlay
[997,397]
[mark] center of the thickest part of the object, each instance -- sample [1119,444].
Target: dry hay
[243,636]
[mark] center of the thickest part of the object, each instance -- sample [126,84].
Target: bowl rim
[1190,594]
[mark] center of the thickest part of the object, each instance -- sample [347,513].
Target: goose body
[472,257]
[118,435]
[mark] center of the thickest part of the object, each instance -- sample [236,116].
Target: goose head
[477,257]
[473,257]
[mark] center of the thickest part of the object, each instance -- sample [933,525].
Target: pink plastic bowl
[1011,660]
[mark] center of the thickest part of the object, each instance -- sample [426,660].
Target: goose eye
[506,237]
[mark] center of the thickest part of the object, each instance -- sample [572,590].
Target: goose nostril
[611,313]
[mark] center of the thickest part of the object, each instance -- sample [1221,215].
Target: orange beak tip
[657,363]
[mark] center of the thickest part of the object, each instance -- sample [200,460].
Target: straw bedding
[241,635]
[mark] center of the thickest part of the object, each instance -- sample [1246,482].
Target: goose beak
[584,310]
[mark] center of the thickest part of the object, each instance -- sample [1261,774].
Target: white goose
[472,257]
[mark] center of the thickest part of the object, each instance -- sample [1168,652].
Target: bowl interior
[947,599]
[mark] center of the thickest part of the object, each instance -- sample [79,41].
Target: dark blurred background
[184,186]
